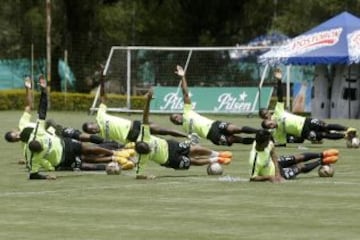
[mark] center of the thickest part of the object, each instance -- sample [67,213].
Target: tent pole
[288,87]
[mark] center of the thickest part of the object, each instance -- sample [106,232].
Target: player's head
[35,146]
[91,128]
[264,113]
[176,119]
[262,139]
[268,124]
[12,136]
[142,147]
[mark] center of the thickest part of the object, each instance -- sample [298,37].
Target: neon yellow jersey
[195,123]
[294,124]
[260,162]
[159,148]
[25,121]
[287,122]
[112,127]
[52,152]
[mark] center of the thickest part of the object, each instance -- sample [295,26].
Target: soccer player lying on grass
[171,153]
[218,132]
[49,152]
[26,126]
[120,129]
[283,123]
[265,165]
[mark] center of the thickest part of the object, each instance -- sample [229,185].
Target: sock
[248,130]
[309,156]
[310,166]
[334,136]
[213,159]
[336,127]
[214,154]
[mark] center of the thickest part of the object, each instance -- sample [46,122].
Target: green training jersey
[260,162]
[195,123]
[287,123]
[52,152]
[159,148]
[25,121]
[112,127]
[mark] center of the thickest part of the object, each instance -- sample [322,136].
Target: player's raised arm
[149,96]
[180,72]
[28,92]
[102,85]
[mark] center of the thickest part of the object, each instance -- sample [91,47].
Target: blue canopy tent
[336,41]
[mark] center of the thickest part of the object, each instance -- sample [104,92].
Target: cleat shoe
[329,160]
[223,160]
[225,154]
[122,153]
[350,133]
[130,145]
[120,160]
[330,152]
[128,165]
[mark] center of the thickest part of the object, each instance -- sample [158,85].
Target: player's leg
[237,139]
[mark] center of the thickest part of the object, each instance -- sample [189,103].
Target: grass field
[178,204]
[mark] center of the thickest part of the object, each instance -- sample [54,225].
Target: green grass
[178,204]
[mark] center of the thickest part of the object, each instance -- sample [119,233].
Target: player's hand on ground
[180,71]
[277,179]
[50,177]
[145,177]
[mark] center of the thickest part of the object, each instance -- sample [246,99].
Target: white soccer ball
[326,171]
[355,142]
[214,169]
[113,168]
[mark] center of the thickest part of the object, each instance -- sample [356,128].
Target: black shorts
[134,131]
[218,134]
[72,151]
[71,133]
[312,124]
[178,155]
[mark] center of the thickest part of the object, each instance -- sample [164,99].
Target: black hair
[35,146]
[85,127]
[264,124]
[142,147]
[262,136]
[8,136]
[262,111]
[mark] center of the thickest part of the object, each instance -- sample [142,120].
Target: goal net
[131,71]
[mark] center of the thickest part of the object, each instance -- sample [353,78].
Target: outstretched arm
[157,130]
[102,85]
[180,72]
[43,104]
[29,100]
[147,107]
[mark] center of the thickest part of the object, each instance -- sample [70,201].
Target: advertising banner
[238,100]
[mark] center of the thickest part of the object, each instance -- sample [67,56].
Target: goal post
[131,70]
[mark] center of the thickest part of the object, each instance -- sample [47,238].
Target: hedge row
[15,100]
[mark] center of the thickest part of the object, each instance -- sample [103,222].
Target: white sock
[213,159]
[214,154]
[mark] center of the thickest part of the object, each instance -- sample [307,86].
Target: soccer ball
[326,171]
[113,168]
[355,142]
[214,169]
